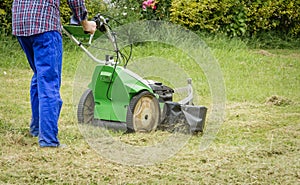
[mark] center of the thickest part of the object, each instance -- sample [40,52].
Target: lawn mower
[120,99]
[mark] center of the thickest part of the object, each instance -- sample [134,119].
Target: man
[36,23]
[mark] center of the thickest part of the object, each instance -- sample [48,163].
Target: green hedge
[232,17]
[238,17]
[5,16]
[280,15]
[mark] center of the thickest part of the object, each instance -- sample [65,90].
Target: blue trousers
[44,54]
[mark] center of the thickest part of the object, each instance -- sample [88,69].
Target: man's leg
[26,45]
[34,125]
[48,61]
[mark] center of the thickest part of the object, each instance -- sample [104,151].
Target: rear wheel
[143,114]
[85,111]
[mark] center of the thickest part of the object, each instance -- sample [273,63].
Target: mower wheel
[143,114]
[85,111]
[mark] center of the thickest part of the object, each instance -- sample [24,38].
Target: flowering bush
[156,10]
[133,10]
[149,4]
[149,8]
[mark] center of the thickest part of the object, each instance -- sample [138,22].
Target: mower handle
[101,23]
[102,26]
[81,46]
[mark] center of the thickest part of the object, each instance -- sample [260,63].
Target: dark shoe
[33,135]
[55,146]
[29,134]
[62,146]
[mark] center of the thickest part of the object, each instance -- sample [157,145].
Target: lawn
[257,143]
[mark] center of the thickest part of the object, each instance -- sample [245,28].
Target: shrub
[238,17]
[281,16]
[210,15]
[5,16]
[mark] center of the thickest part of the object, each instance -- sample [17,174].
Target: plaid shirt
[32,17]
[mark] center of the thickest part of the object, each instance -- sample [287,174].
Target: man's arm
[80,12]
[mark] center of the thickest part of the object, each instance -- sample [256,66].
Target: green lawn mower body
[112,90]
[119,99]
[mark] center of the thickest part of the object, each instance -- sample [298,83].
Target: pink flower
[149,3]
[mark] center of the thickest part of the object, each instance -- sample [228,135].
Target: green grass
[258,142]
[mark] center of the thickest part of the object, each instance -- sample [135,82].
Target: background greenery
[230,17]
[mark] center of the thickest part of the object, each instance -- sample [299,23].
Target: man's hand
[89,26]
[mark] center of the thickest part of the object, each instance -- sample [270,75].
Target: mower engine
[179,117]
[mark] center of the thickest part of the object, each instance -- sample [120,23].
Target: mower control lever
[110,60]
[100,22]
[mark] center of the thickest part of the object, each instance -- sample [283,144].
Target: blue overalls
[44,54]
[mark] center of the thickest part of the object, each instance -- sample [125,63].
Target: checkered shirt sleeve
[30,17]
